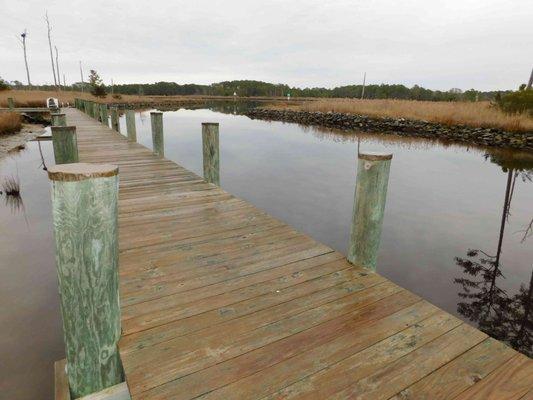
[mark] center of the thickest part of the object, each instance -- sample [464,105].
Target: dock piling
[130,125]
[369,206]
[115,122]
[10,103]
[84,209]
[59,119]
[65,144]
[156,119]
[104,117]
[211,154]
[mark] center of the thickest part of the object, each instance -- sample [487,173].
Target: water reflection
[505,317]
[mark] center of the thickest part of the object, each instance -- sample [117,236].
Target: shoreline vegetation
[480,123]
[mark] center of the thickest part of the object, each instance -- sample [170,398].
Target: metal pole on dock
[369,206]
[84,209]
[104,117]
[10,103]
[156,119]
[115,123]
[130,125]
[211,154]
[65,144]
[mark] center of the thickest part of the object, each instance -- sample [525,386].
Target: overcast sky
[485,44]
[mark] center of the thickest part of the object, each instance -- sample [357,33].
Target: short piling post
[65,144]
[115,122]
[59,119]
[369,206]
[104,118]
[84,210]
[130,125]
[158,143]
[11,103]
[211,154]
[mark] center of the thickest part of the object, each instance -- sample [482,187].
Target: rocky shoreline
[401,127]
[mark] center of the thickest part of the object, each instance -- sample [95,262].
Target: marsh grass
[10,122]
[476,114]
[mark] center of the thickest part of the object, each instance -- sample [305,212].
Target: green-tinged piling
[84,209]
[115,122]
[59,119]
[130,125]
[211,154]
[104,117]
[11,103]
[65,144]
[158,143]
[369,206]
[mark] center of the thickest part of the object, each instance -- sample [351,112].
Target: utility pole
[363,91]
[112,87]
[530,83]
[64,81]
[50,46]
[57,68]
[82,83]
[23,43]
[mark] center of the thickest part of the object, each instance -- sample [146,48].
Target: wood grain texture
[369,206]
[61,389]
[158,142]
[130,126]
[211,153]
[65,144]
[85,231]
[221,301]
[58,119]
[104,117]
[115,122]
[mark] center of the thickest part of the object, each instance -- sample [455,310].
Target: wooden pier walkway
[221,301]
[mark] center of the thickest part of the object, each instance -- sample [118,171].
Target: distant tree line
[245,88]
[250,88]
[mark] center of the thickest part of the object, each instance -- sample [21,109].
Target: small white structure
[52,102]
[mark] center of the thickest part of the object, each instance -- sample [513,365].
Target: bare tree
[363,91]
[82,83]
[22,41]
[50,46]
[57,69]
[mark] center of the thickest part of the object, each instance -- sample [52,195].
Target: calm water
[442,233]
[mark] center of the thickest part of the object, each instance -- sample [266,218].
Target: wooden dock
[221,301]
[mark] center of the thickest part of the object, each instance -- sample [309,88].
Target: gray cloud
[486,44]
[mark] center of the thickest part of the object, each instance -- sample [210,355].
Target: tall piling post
[11,103]
[104,118]
[369,206]
[158,143]
[130,125]
[84,210]
[211,154]
[115,122]
[65,144]
[59,119]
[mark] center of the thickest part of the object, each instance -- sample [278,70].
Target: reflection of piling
[59,119]
[369,206]
[130,125]
[211,157]
[156,119]
[84,205]
[65,144]
[115,123]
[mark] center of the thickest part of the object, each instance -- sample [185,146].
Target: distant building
[455,91]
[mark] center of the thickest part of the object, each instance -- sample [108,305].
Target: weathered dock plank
[221,301]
